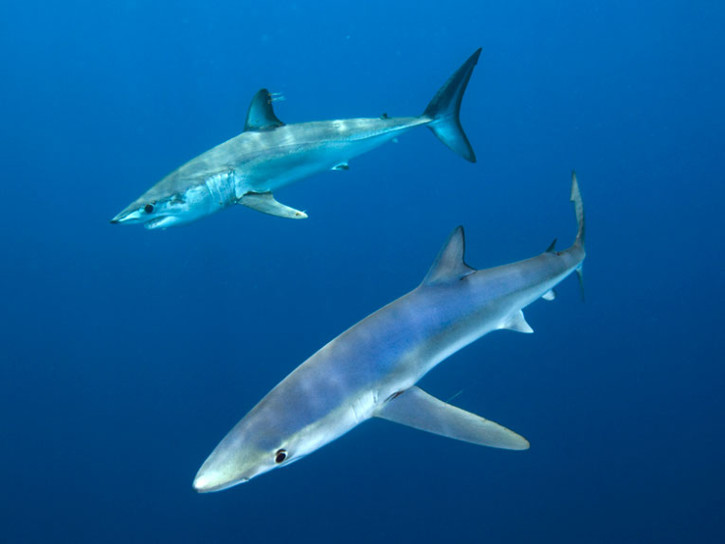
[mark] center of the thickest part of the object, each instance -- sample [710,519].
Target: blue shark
[269,154]
[371,370]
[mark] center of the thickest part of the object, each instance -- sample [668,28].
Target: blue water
[127,354]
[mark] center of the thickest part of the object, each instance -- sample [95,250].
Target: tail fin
[576,198]
[445,107]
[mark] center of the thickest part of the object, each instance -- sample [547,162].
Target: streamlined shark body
[371,369]
[269,155]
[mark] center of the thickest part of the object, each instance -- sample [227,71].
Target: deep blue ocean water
[127,354]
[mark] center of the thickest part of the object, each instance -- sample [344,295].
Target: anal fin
[416,408]
[549,295]
[265,203]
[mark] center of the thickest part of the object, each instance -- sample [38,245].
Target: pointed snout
[137,214]
[202,484]
[206,482]
[127,215]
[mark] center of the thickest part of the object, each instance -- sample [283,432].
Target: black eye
[148,208]
[280,456]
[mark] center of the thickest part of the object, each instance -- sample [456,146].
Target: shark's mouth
[161,222]
[169,220]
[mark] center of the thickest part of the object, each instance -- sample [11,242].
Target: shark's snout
[129,215]
[202,485]
[135,215]
[118,218]
[208,482]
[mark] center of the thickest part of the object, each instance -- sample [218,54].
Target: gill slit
[221,188]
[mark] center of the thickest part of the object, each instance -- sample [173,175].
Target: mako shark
[269,155]
[371,369]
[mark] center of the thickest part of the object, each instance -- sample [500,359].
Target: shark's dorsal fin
[260,115]
[449,265]
[416,408]
[552,247]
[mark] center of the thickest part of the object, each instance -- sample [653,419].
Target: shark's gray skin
[371,369]
[269,155]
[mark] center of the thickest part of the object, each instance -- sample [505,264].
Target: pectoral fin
[265,203]
[416,408]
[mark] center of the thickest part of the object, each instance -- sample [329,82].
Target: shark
[371,370]
[270,154]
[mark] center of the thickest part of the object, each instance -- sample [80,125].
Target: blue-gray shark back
[269,155]
[371,370]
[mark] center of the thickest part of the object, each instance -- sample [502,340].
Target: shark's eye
[148,208]
[280,456]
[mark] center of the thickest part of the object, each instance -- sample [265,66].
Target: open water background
[127,354]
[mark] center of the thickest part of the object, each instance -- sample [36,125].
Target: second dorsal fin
[260,115]
[449,265]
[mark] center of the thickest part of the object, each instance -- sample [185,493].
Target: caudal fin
[445,107]
[576,199]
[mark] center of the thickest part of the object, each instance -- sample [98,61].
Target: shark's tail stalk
[445,107]
[576,199]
